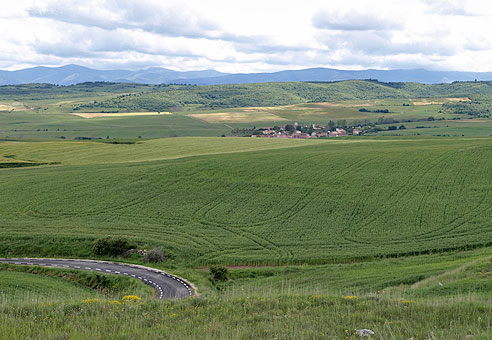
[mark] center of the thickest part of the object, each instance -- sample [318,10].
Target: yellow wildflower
[91,300]
[349,297]
[131,298]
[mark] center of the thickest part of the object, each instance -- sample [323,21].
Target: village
[305,131]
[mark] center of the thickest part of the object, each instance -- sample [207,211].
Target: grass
[331,201]
[23,288]
[28,125]
[477,127]
[86,153]
[391,297]
[284,317]
[25,284]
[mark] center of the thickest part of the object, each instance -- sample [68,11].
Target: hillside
[165,98]
[338,199]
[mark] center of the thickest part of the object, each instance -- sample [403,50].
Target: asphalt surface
[167,286]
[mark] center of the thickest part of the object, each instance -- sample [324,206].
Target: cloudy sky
[247,36]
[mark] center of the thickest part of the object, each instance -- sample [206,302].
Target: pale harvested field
[237,117]
[440,102]
[330,104]
[118,114]
[11,106]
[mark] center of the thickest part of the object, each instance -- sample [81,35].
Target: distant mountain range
[74,74]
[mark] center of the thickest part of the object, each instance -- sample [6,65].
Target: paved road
[167,286]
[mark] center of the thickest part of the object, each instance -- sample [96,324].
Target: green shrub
[219,273]
[113,246]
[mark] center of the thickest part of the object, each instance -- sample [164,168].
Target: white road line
[156,286]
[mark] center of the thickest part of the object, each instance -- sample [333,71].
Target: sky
[247,36]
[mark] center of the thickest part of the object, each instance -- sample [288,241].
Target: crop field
[478,127]
[29,126]
[242,116]
[118,114]
[321,113]
[325,202]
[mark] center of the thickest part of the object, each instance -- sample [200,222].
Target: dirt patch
[240,267]
[118,114]
[458,99]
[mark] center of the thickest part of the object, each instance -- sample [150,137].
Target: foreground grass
[24,288]
[396,298]
[25,285]
[282,317]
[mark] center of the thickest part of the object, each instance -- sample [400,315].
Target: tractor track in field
[167,286]
[396,196]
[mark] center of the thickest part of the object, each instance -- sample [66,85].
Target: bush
[113,246]
[219,273]
[155,255]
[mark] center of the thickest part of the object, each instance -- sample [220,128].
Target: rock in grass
[364,332]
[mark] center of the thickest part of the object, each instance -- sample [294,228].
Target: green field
[320,236]
[327,201]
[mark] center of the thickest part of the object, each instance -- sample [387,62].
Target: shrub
[155,255]
[113,246]
[219,273]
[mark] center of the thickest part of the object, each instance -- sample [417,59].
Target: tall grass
[279,317]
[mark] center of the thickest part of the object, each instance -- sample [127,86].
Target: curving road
[167,286]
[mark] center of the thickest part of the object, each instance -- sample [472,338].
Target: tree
[289,127]
[331,125]
[342,123]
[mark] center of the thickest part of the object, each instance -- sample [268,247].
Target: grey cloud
[143,14]
[91,41]
[379,43]
[352,21]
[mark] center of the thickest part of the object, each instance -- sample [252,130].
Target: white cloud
[353,20]
[253,36]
